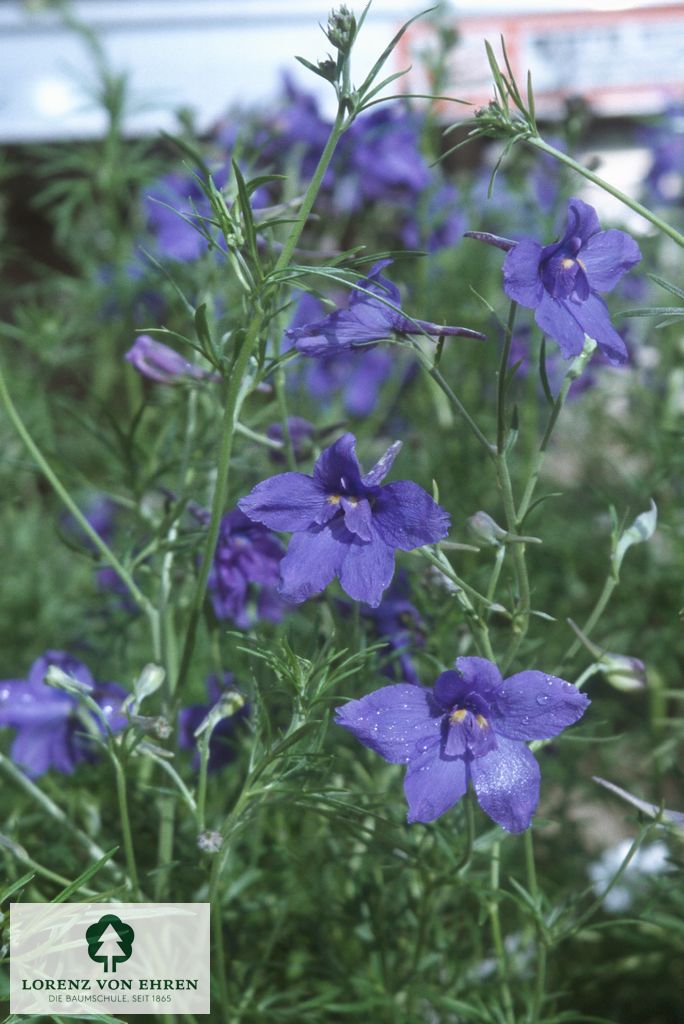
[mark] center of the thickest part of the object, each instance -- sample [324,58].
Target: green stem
[454,399]
[521,618]
[502,382]
[577,368]
[464,593]
[496,572]
[495,924]
[338,128]
[643,211]
[167,819]
[467,855]
[599,608]
[202,786]
[233,401]
[539,982]
[24,858]
[125,824]
[267,442]
[540,978]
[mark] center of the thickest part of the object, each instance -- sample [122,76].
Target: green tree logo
[110,941]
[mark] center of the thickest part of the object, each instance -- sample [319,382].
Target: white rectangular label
[116,958]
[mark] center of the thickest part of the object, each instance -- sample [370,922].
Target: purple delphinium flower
[159,363]
[49,732]
[356,373]
[366,319]
[221,743]
[469,729]
[245,572]
[561,281]
[344,522]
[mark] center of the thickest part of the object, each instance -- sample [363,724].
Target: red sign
[622,62]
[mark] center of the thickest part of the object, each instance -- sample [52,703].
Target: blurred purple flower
[357,374]
[221,748]
[665,178]
[344,523]
[399,622]
[469,729]
[561,281]
[245,572]
[381,159]
[50,733]
[157,362]
[546,177]
[441,225]
[366,319]
[302,433]
[172,205]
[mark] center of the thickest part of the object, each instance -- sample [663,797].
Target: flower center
[467,729]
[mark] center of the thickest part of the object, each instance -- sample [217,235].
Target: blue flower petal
[382,467]
[338,467]
[311,563]
[367,569]
[535,706]
[583,221]
[558,319]
[594,319]
[396,722]
[358,517]
[433,784]
[406,517]
[288,502]
[481,675]
[506,783]
[606,256]
[31,705]
[521,273]
[39,749]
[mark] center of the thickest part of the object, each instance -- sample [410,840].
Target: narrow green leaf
[543,376]
[89,873]
[15,886]
[247,215]
[375,70]
[668,286]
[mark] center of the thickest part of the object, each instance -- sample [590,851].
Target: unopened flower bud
[484,528]
[61,681]
[623,672]
[148,682]
[209,841]
[489,239]
[328,69]
[341,28]
[156,725]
